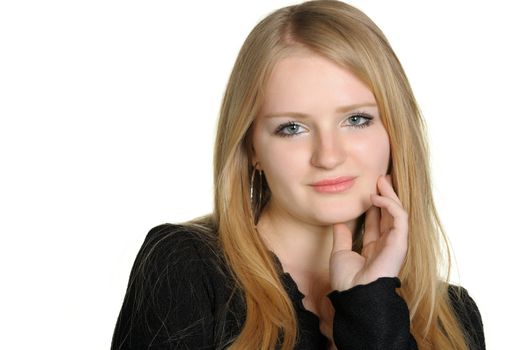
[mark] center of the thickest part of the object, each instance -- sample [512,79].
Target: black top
[181,296]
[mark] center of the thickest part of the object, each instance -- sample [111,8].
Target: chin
[337,215]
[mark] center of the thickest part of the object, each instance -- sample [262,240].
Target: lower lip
[335,188]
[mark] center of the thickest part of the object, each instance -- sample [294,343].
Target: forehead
[305,82]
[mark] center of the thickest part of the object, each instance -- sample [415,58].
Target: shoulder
[176,280]
[177,252]
[468,314]
[162,239]
[177,241]
[462,302]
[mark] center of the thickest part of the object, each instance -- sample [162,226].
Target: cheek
[283,163]
[372,159]
[373,152]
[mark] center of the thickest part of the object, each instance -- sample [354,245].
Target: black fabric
[181,296]
[372,316]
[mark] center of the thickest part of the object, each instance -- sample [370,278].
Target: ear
[254,159]
[252,156]
[251,151]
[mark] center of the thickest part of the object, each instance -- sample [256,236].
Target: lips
[333,185]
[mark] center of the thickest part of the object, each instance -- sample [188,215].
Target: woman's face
[318,123]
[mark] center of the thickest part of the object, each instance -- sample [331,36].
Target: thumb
[341,238]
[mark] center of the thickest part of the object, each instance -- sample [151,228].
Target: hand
[384,242]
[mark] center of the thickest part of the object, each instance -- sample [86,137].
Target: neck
[299,245]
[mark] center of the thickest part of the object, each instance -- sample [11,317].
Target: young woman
[324,233]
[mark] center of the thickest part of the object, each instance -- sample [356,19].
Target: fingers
[372,225]
[385,187]
[341,238]
[394,208]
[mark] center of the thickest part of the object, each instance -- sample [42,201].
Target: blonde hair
[349,38]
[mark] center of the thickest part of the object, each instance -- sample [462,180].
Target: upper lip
[332,181]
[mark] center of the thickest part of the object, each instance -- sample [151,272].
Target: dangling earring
[256,204]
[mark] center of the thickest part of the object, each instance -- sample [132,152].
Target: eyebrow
[342,109]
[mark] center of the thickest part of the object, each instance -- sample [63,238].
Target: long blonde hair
[349,38]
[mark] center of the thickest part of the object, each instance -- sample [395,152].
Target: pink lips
[335,185]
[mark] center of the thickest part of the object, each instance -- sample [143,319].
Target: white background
[108,112]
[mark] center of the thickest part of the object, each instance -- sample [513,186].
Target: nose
[328,151]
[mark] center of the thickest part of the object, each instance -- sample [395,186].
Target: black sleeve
[469,316]
[168,302]
[372,316]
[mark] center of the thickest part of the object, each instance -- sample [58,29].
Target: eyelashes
[291,128]
[287,129]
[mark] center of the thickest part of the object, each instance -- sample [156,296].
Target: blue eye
[288,129]
[360,120]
